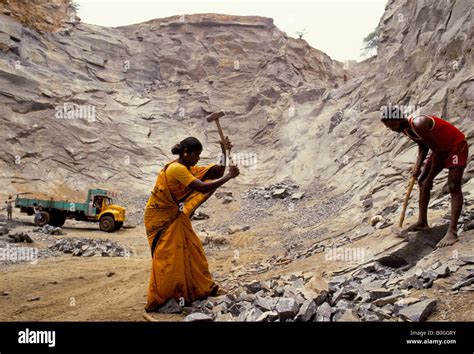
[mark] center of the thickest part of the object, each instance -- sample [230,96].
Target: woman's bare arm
[206,187]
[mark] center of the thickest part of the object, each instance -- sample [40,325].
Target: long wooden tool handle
[221,134]
[411,183]
[219,129]
[149,318]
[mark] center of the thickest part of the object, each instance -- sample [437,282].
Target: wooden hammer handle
[219,129]
[411,183]
[221,134]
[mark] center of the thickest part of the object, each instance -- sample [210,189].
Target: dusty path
[76,288]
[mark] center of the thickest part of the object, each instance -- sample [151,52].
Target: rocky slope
[95,105]
[92,105]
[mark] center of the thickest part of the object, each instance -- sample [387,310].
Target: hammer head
[215,116]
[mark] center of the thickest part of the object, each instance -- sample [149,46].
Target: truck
[98,207]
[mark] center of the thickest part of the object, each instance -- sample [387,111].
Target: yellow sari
[179,269]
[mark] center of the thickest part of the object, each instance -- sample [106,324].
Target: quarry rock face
[87,104]
[82,104]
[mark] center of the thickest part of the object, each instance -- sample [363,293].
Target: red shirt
[445,134]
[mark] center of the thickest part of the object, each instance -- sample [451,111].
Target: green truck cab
[98,207]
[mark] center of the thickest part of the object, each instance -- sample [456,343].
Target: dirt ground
[79,289]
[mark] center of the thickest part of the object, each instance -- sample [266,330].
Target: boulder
[402,303]
[255,286]
[419,311]
[382,313]
[379,293]
[307,311]
[442,271]
[412,282]
[198,317]
[469,225]
[323,313]
[337,282]
[467,259]
[316,289]
[286,308]
[279,193]
[267,316]
[370,267]
[337,296]
[462,283]
[171,306]
[297,196]
[391,299]
[345,316]
[246,297]
[266,303]
[253,314]
[219,309]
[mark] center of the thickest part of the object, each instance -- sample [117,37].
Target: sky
[336,27]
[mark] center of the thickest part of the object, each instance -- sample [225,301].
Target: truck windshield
[109,201]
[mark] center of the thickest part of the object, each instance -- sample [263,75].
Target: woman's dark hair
[191,144]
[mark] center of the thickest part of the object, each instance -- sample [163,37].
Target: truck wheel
[107,223]
[118,225]
[44,219]
[58,219]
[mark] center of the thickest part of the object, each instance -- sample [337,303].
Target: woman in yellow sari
[180,269]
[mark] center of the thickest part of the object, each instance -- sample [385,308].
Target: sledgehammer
[215,117]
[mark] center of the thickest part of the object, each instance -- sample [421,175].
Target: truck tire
[57,219]
[118,225]
[107,223]
[44,219]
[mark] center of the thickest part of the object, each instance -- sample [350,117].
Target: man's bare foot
[449,239]
[418,226]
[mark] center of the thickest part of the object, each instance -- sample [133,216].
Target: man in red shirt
[448,148]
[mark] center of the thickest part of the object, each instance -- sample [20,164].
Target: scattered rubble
[18,237]
[237,228]
[227,200]
[84,247]
[466,282]
[49,230]
[226,196]
[215,241]
[280,190]
[199,215]
[303,298]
